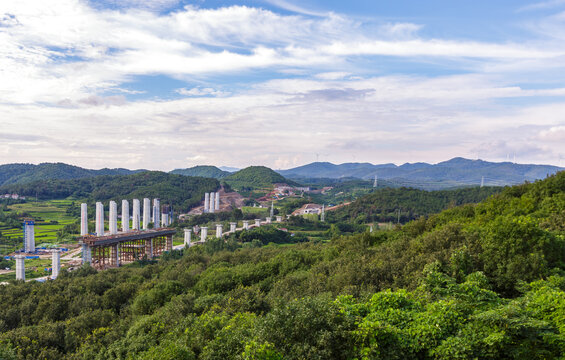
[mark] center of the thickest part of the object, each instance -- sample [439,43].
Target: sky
[165,84]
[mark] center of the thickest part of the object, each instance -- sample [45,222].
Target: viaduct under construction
[112,248]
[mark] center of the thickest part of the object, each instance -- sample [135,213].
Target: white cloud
[59,60]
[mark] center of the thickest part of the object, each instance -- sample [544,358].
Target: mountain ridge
[455,172]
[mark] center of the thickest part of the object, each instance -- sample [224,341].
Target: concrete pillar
[55,263]
[83,219]
[156,213]
[272,213]
[257,222]
[203,233]
[279,218]
[146,213]
[233,226]
[86,254]
[135,215]
[219,228]
[206,202]
[268,220]
[125,215]
[29,235]
[20,267]
[212,201]
[99,219]
[187,235]
[117,250]
[217,202]
[245,224]
[149,248]
[113,218]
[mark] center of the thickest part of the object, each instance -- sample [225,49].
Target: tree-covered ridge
[256,177]
[178,190]
[477,281]
[406,204]
[27,173]
[202,171]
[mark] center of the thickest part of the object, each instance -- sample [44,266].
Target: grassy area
[35,268]
[50,217]
[255,210]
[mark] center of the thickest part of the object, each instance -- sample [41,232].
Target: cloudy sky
[164,84]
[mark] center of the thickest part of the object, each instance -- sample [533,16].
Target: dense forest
[180,191]
[202,171]
[478,281]
[27,173]
[255,177]
[406,204]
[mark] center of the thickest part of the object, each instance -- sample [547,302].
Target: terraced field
[50,217]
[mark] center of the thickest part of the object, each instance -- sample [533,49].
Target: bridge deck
[129,236]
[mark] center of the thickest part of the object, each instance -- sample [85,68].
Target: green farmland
[50,217]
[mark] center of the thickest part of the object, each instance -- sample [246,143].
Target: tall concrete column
[219,228]
[99,219]
[113,218]
[83,219]
[156,213]
[187,235]
[217,201]
[29,235]
[272,213]
[206,202]
[257,222]
[20,267]
[203,233]
[135,215]
[146,213]
[279,218]
[125,215]
[55,263]
[212,202]
[246,224]
[233,226]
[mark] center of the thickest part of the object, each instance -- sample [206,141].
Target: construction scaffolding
[104,252]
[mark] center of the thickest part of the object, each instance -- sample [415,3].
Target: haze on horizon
[167,84]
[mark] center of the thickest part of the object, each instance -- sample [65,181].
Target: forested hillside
[405,204]
[202,171]
[481,281]
[178,190]
[26,173]
[256,177]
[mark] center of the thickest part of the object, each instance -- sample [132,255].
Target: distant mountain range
[26,173]
[456,172]
[452,173]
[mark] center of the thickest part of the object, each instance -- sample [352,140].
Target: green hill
[256,177]
[203,171]
[406,204]
[26,173]
[479,281]
[178,190]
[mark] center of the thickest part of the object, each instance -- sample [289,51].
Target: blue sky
[165,84]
